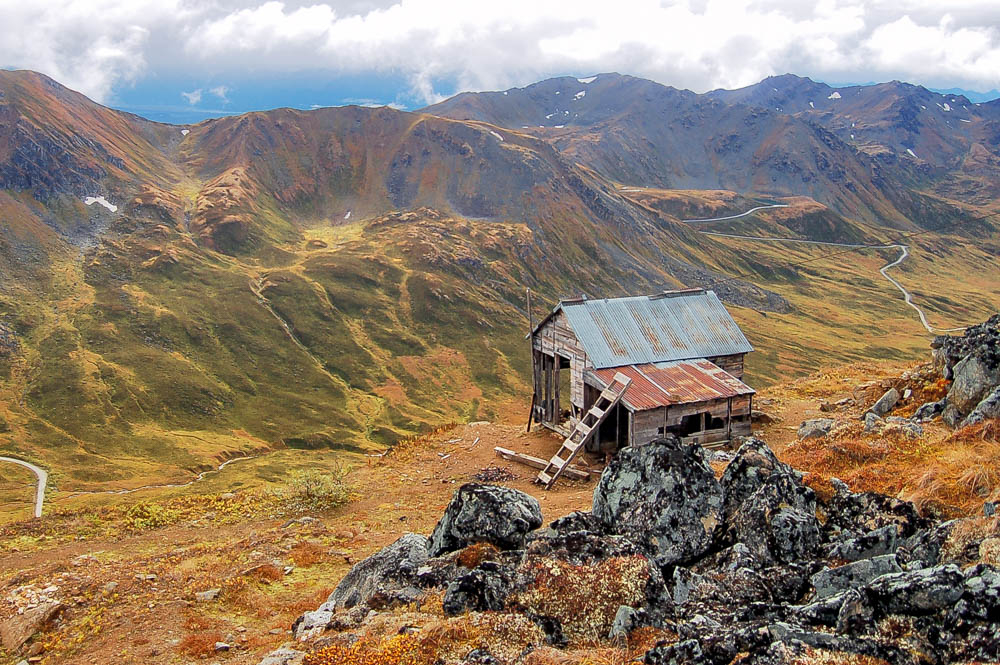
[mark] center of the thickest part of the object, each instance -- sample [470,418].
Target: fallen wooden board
[538,463]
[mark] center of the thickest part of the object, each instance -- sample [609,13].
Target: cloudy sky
[187,59]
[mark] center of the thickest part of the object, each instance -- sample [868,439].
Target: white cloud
[192,97]
[444,45]
[221,91]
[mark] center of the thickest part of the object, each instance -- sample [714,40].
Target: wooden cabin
[681,349]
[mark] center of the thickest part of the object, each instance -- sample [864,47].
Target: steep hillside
[347,278]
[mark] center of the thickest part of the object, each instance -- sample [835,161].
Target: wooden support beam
[538,463]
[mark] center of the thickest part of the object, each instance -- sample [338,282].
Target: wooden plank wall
[556,337]
[732,364]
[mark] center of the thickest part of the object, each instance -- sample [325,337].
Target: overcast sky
[212,56]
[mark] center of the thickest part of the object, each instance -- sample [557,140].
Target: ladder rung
[558,462]
[544,477]
[584,429]
[597,413]
[572,447]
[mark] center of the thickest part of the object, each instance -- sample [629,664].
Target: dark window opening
[691,424]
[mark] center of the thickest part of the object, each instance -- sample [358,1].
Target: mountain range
[347,277]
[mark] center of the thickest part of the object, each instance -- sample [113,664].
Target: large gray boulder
[391,569]
[986,409]
[974,380]
[665,496]
[486,513]
[754,463]
[777,523]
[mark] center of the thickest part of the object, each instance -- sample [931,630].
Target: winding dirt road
[903,254]
[742,214]
[43,478]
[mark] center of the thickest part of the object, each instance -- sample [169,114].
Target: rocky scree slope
[754,567]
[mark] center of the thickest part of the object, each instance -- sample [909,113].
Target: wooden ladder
[585,428]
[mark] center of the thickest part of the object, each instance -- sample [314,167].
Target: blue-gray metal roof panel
[643,329]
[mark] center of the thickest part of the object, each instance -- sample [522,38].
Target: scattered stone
[222,646]
[903,427]
[847,401]
[110,587]
[873,423]
[663,493]
[762,417]
[18,629]
[826,407]
[929,411]
[816,428]
[207,596]
[885,403]
[989,508]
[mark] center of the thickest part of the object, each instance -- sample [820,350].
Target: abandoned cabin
[680,353]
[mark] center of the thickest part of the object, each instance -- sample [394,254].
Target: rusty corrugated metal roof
[643,329]
[655,385]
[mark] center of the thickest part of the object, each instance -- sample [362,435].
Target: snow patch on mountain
[496,134]
[589,79]
[580,95]
[100,200]
[834,95]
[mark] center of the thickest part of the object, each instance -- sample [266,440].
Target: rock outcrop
[972,362]
[754,568]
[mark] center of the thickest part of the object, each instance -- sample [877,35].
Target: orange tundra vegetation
[944,476]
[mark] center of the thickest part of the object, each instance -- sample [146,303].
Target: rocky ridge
[754,567]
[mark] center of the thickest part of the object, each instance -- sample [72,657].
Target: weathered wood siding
[732,364]
[557,338]
[649,425]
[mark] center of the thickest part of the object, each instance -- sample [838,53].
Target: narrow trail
[43,478]
[197,478]
[903,254]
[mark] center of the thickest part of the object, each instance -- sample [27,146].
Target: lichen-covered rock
[831,581]
[665,496]
[866,511]
[778,522]
[486,513]
[754,463]
[815,428]
[917,592]
[484,589]
[873,543]
[885,403]
[988,408]
[390,569]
